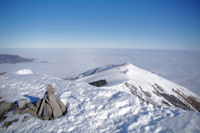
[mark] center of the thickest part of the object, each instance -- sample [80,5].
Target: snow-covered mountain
[147,86]
[111,108]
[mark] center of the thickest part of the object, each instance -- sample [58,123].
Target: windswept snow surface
[112,108]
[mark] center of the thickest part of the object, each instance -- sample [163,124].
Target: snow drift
[24,72]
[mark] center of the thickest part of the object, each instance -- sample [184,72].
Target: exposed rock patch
[2,73]
[5,107]
[194,102]
[177,100]
[99,83]
[26,118]
[8,123]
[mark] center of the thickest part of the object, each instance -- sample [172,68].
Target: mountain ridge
[13,59]
[146,85]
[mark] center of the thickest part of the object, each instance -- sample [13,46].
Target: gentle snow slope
[105,109]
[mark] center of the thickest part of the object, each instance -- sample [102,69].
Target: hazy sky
[154,24]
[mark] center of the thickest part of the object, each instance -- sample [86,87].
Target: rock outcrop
[47,108]
[5,107]
[99,83]
[175,99]
[50,106]
[8,123]
[2,73]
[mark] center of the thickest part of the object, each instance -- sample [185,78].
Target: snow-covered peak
[146,85]
[24,72]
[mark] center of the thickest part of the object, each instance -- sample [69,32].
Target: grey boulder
[22,103]
[50,106]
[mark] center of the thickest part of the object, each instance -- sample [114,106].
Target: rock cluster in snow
[47,108]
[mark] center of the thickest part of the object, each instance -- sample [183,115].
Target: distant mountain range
[13,59]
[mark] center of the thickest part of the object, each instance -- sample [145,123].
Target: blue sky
[146,24]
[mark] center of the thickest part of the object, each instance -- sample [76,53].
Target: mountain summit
[147,86]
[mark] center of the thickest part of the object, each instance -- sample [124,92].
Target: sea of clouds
[179,66]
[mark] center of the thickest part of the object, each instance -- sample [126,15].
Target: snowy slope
[145,85]
[112,108]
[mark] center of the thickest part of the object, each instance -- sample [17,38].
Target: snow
[112,108]
[24,72]
[136,76]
